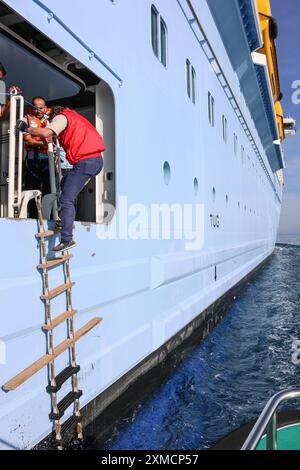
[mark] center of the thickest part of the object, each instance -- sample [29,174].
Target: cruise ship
[186,94]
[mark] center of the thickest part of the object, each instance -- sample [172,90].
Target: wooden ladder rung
[27,373]
[59,319]
[82,331]
[57,291]
[54,262]
[46,234]
[44,360]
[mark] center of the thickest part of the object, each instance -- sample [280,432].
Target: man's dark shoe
[64,246]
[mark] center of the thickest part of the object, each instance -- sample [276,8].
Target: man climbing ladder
[83,146]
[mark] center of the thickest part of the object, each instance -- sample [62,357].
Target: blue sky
[287,13]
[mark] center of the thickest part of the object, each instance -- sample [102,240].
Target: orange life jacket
[33,121]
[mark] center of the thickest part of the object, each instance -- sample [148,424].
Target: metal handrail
[268,420]
[12,154]
[15,187]
[52,174]
[20,154]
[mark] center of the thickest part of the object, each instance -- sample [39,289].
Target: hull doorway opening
[39,67]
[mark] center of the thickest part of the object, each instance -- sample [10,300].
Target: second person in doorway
[36,158]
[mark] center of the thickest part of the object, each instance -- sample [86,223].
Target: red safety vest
[80,139]
[37,123]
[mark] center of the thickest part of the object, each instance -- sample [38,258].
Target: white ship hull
[146,290]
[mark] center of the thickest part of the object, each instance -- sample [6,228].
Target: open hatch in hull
[42,68]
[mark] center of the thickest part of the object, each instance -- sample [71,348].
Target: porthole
[167,173]
[214,194]
[196,186]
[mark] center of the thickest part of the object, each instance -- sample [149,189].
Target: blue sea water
[227,379]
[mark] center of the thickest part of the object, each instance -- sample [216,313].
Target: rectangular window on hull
[163,42]
[193,85]
[224,122]
[154,30]
[188,78]
[211,109]
[191,81]
[235,144]
[159,36]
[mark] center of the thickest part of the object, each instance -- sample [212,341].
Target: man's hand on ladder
[21,126]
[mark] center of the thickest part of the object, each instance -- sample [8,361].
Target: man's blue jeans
[72,184]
